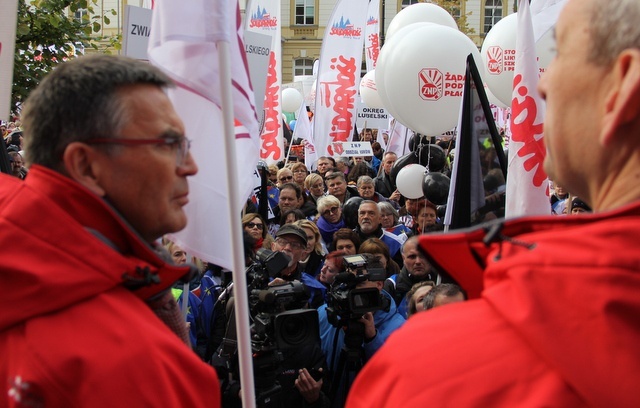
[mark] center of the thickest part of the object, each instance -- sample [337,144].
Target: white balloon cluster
[419,77]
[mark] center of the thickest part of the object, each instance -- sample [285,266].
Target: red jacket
[71,334]
[557,322]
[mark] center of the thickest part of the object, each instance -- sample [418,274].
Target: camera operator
[375,327]
[292,241]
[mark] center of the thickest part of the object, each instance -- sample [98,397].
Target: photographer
[288,362]
[370,329]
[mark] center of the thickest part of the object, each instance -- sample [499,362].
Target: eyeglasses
[294,245]
[285,178]
[180,144]
[300,171]
[253,225]
[331,210]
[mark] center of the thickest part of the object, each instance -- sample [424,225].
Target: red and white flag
[399,137]
[527,182]
[338,76]
[183,43]
[263,16]
[372,35]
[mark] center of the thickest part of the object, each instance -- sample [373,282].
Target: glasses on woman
[253,225]
[331,210]
[285,178]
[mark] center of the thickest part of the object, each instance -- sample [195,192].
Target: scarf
[327,229]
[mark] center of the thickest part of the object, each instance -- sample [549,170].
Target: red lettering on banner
[343,99]
[525,131]
[374,49]
[272,122]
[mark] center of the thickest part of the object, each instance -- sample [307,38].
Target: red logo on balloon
[494,60]
[431,81]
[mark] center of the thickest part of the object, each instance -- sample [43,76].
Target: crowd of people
[349,300]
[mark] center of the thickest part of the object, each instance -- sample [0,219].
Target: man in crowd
[369,226]
[292,241]
[383,182]
[556,323]
[325,164]
[89,318]
[416,269]
[337,186]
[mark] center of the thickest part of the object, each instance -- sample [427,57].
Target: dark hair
[292,186]
[299,215]
[90,85]
[345,233]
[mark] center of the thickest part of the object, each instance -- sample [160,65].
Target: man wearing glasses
[108,177]
[292,241]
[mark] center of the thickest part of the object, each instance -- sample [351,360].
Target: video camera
[345,302]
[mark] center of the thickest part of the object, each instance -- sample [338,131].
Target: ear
[622,105]
[82,165]
[380,285]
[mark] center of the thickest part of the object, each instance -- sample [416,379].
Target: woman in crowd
[416,295]
[314,186]
[300,173]
[345,240]
[330,218]
[426,219]
[254,226]
[380,250]
[390,220]
[314,253]
[319,285]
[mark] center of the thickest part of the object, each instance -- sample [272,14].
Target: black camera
[346,302]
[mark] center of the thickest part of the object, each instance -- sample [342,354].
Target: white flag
[372,35]
[263,16]
[527,183]
[8,22]
[183,44]
[338,76]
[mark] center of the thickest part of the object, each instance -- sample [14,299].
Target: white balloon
[420,13]
[409,180]
[383,57]
[369,91]
[492,98]
[499,56]
[423,77]
[291,100]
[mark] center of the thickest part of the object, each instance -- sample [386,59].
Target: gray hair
[613,27]
[362,180]
[386,208]
[80,100]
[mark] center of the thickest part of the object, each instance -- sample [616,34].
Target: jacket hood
[568,286]
[70,231]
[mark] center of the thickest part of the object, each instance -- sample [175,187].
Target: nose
[189,167]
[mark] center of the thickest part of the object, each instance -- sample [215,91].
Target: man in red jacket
[88,316]
[556,315]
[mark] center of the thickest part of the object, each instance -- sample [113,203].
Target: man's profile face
[368,217]
[144,183]
[573,87]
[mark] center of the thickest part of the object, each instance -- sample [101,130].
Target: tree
[454,8]
[51,31]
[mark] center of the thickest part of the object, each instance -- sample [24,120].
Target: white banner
[263,16]
[137,28]
[374,118]
[338,76]
[372,35]
[8,22]
[353,149]
[258,49]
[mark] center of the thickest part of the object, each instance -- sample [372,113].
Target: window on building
[492,13]
[303,66]
[80,13]
[406,3]
[305,12]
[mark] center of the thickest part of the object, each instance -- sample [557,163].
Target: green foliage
[454,8]
[50,31]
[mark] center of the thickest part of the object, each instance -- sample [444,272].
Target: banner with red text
[527,184]
[338,76]
[372,35]
[263,16]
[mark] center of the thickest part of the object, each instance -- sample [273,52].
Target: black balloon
[410,158]
[350,211]
[433,157]
[435,187]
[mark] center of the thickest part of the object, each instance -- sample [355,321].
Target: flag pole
[239,277]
